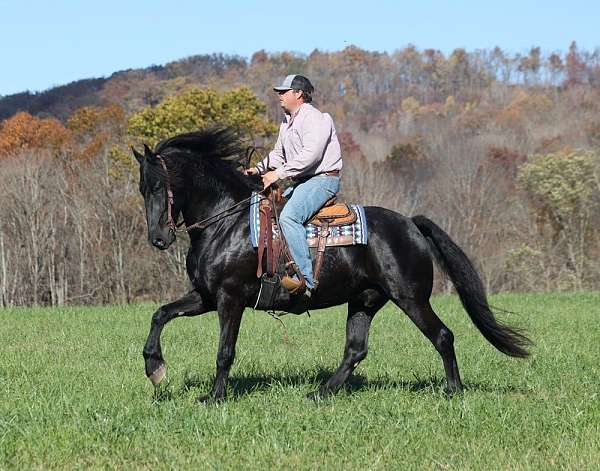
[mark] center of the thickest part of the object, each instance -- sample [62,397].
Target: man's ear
[139,157]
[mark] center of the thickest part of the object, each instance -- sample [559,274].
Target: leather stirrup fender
[261,241]
[323,234]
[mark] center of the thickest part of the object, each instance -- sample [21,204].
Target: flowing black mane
[213,143]
[210,156]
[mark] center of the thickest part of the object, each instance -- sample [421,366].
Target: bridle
[204,222]
[170,198]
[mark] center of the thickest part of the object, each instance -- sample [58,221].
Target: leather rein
[204,222]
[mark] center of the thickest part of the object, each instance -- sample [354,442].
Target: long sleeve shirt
[307,145]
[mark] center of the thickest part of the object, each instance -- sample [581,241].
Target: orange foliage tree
[95,128]
[26,132]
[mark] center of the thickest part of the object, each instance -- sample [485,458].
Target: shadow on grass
[240,385]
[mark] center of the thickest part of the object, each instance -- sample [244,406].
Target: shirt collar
[289,119]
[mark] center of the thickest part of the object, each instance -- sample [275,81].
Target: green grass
[74,394]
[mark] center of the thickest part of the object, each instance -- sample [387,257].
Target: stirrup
[292,285]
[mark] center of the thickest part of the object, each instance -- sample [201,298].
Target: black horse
[201,170]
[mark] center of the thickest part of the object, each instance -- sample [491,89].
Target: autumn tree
[555,67]
[24,132]
[197,108]
[563,189]
[530,65]
[96,128]
[409,160]
[575,67]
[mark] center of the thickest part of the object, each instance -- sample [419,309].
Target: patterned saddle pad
[349,234]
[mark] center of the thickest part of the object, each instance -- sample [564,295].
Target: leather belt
[332,173]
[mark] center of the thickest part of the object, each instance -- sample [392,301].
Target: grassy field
[74,394]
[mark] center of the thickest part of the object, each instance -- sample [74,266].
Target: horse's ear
[139,157]
[150,156]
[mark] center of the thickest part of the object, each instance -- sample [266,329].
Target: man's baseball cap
[295,82]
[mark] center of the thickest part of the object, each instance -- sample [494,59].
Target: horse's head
[155,187]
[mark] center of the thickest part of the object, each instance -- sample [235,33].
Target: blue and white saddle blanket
[349,234]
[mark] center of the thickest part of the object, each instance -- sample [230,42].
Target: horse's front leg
[230,316]
[189,305]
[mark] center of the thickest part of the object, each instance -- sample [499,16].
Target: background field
[74,394]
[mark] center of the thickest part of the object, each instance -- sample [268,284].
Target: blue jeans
[304,200]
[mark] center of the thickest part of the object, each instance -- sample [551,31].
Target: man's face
[290,100]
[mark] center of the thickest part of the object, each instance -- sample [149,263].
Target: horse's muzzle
[159,243]
[163,242]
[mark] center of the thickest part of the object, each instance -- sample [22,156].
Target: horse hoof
[314,396]
[209,399]
[158,375]
[206,399]
[451,392]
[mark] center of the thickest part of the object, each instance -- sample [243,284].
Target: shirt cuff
[281,173]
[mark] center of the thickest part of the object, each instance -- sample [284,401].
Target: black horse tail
[471,291]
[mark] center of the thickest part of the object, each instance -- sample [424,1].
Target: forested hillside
[499,149]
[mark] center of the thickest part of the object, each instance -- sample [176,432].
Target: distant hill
[359,87]
[130,88]
[58,101]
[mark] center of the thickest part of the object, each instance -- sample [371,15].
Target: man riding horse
[196,176]
[307,151]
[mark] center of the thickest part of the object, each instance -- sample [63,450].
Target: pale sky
[48,43]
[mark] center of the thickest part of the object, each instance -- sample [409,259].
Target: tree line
[500,150]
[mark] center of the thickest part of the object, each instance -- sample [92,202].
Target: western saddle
[278,258]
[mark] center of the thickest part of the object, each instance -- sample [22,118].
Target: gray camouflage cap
[295,82]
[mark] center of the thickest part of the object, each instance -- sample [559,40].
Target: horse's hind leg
[189,305]
[361,311]
[422,314]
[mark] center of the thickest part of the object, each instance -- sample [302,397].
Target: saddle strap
[269,236]
[265,239]
[261,240]
[275,249]
[323,234]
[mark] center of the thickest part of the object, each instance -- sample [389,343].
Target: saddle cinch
[280,267]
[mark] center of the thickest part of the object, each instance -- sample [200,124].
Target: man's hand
[269,178]
[251,171]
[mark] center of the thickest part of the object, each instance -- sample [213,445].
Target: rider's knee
[287,218]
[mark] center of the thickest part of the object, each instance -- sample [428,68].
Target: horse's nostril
[158,243]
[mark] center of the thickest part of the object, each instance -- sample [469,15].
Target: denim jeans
[304,200]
